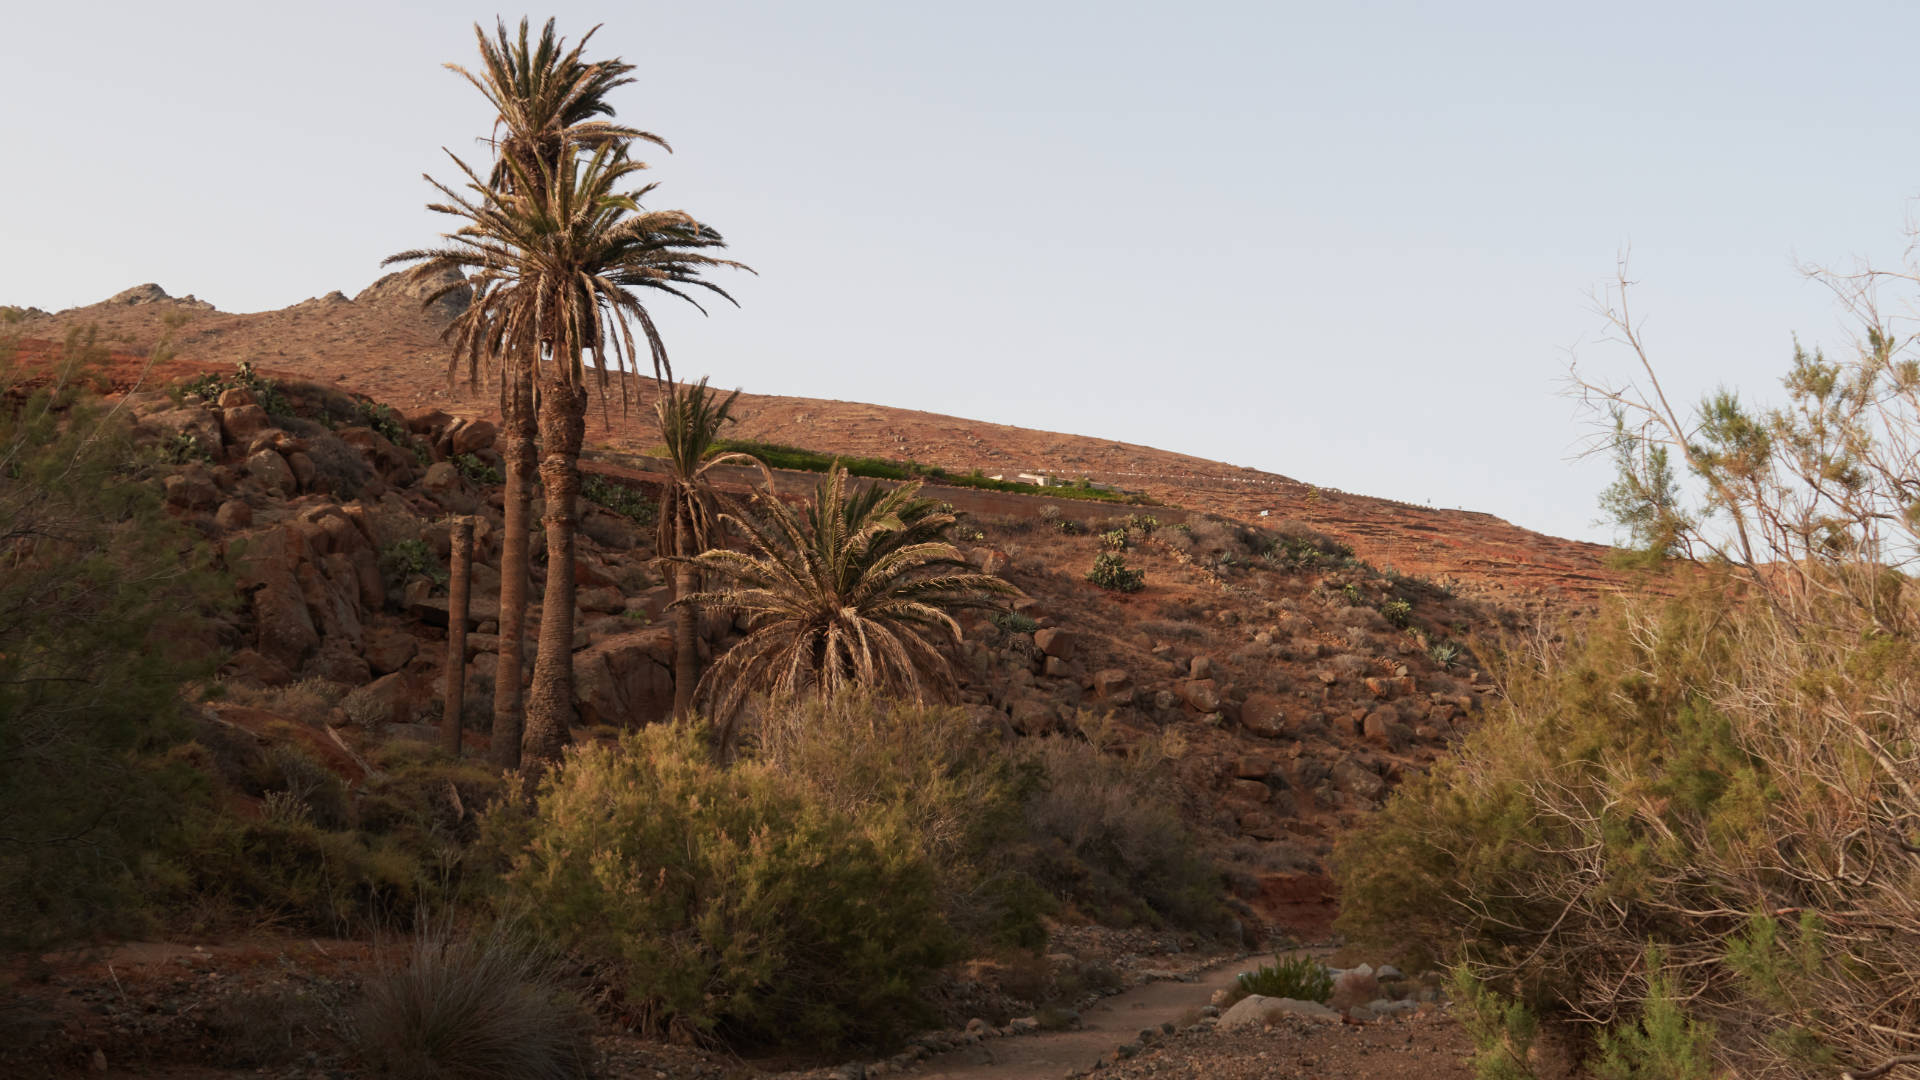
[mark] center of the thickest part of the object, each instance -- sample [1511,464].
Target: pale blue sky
[1350,243]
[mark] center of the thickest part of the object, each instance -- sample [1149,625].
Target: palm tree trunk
[451,718]
[686,654]
[517,423]
[563,426]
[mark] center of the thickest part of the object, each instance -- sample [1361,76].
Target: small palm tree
[554,258]
[690,420]
[549,101]
[855,589]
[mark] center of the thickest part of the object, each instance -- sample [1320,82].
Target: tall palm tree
[555,257]
[548,102]
[690,419]
[855,589]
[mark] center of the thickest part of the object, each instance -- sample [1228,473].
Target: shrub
[1014,622]
[1301,978]
[1069,527]
[388,424]
[106,617]
[266,392]
[1502,1029]
[731,901]
[1110,571]
[938,772]
[477,471]
[404,559]
[1398,612]
[1444,654]
[628,502]
[477,1007]
[1114,540]
[1104,835]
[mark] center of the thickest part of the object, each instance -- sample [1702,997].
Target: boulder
[613,531]
[191,489]
[1201,668]
[472,436]
[1379,726]
[1257,1010]
[1252,767]
[242,422]
[284,630]
[1114,685]
[304,470]
[268,467]
[1248,790]
[390,699]
[1031,716]
[625,680]
[1355,779]
[1263,714]
[202,425]
[1055,641]
[235,396]
[233,516]
[602,601]
[1201,695]
[388,649]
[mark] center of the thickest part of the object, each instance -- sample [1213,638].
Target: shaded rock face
[626,680]
[399,289]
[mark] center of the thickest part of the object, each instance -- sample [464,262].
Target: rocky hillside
[382,343]
[1296,651]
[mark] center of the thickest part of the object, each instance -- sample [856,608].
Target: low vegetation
[1301,978]
[1685,843]
[779,456]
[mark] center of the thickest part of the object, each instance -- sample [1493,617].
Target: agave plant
[855,589]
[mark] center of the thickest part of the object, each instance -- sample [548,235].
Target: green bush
[1503,1029]
[1114,540]
[1663,1043]
[626,501]
[1398,612]
[477,471]
[731,901]
[1301,978]
[266,392]
[107,617]
[1110,571]
[778,456]
[404,559]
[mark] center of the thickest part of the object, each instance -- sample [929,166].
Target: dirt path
[1106,1026]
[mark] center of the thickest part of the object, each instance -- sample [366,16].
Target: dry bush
[1695,825]
[486,1006]
[1361,618]
[309,700]
[1349,666]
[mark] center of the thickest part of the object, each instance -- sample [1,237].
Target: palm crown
[553,258]
[854,589]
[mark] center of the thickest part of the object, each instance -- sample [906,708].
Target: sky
[1352,243]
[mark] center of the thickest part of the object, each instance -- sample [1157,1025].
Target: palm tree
[854,589]
[690,421]
[554,257]
[547,99]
